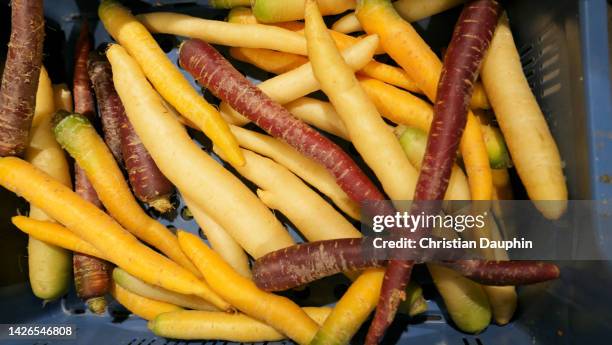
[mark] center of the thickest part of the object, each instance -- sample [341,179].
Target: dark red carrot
[306,262]
[471,38]
[214,72]
[91,275]
[20,76]
[147,181]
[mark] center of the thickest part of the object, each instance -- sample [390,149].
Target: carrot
[271,11]
[222,326]
[62,97]
[55,234]
[268,60]
[532,147]
[49,266]
[165,77]
[319,114]
[371,136]
[211,187]
[229,3]
[279,312]
[310,171]
[306,262]
[84,219]
[80,139]
[148,183]
[410,10]
[140,288]
[84,102]
[220,240]
[299,82]
[141,306]
[200,59]
[283,191]
[20,76]
[471,37]
[411,52]
[223,33]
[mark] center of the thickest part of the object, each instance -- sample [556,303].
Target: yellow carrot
[144,307]
[85,219]
[319,114]
[314,217]
[532,147]
[369,133]
[220,240]
[279,312]
[352,309]
[307,169]
[268,60]
[410,10]
[272,11]
[80,139]
[229,34]
[222,326]
[55,234]
[410,51]
[219,193]
[49,266]
[166,77]
[62,97]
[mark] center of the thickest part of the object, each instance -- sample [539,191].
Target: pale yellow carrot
[166,77]
[222,326]
[532,147]
[85,220]
[55,234]
[281,190]
[203,180]
[409,50]
[62,97]
[279,312]
[49,266]
[220,240]
[138,287]
[224,33]
[273,11]
[368,132]
[319,114]
[307,169]
[144,307]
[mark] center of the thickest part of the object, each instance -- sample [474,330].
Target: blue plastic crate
[564,48]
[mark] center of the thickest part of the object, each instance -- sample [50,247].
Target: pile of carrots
[427,128]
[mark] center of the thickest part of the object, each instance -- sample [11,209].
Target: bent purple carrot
[471,37]
[20,76]
[306,262]
[147,181]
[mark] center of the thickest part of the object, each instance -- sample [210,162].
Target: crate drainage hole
[467,342]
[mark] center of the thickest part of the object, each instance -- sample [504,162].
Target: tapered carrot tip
[502,273]
[97,305]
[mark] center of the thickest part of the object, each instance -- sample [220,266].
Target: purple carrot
[20,77]
[471,37]
[147,181]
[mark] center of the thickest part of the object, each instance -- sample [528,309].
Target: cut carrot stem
[20,76]
[80,139]
[166,77]
[196,174]
[148,183]
[85,220]
[279,312]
